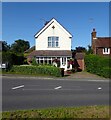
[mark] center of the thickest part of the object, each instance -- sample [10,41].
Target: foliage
[89,51]
[34,61]
[98,65]
[5,46]
[41,69]
[19,46]
[66,113]
[12,58]
[28,51]
[80,49]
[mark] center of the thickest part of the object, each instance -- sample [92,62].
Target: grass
[61,112]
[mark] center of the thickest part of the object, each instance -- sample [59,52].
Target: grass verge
[61,112]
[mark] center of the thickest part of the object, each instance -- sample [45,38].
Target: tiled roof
[103,42]
[30,49]
[47,53]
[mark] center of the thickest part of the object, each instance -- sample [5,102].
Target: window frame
[106,50]
[53,42]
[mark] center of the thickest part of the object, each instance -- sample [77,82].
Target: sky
[22,20]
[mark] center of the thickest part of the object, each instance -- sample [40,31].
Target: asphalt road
[34,93]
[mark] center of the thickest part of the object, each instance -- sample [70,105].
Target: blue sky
[21,20]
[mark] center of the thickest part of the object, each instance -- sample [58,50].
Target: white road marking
[99,88]
[58,87]
[17,87]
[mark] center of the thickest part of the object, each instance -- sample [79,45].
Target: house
[101,45]
[53,45]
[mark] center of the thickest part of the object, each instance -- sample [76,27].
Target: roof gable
[50,23]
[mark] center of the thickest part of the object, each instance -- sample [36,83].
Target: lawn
[61,112]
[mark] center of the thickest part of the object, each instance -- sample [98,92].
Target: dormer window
[106,50]
[53,41]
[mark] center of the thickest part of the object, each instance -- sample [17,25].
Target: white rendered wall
[64,40]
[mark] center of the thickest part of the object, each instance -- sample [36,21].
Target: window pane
[56,38]
[105,50]
[57,44]
[45,61]
[53,41]
[41,61]
[49,44]
[49,38]
[49,61]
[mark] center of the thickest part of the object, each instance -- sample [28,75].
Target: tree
[5,47]
[80,49]
[89,51]
[19,46]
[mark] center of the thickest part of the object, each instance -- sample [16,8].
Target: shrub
[41,69]
[98,65]
[34,61]
[12,58]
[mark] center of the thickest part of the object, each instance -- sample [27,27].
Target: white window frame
[106,50]
[63,61]
[53,41]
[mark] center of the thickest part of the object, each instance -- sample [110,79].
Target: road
[33,93]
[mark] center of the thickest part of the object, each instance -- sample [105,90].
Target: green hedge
[98,65]
[41,69]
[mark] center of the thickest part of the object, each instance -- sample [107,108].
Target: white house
[53,45]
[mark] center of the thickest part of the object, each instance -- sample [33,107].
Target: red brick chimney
[93,35]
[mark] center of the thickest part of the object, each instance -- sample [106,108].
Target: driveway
[84,75]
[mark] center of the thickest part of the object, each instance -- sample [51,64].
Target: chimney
[93,33]
[94,41]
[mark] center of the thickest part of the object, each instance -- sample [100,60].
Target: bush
[34,61]
[12,58]
[41,69]
[98,65]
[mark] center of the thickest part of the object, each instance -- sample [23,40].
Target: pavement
[67,76]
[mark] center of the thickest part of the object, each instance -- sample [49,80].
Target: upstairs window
[106,50]
[53,41]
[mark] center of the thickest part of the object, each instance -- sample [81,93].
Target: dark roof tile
[47,53]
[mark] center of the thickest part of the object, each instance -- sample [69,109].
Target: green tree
[5,46]
[89,51]
[19,46]
[80,49]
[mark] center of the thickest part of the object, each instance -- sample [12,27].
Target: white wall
[64,40]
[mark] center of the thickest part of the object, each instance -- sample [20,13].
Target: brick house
[101,45]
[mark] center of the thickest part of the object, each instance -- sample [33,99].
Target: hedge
[41,69]
[98,65]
